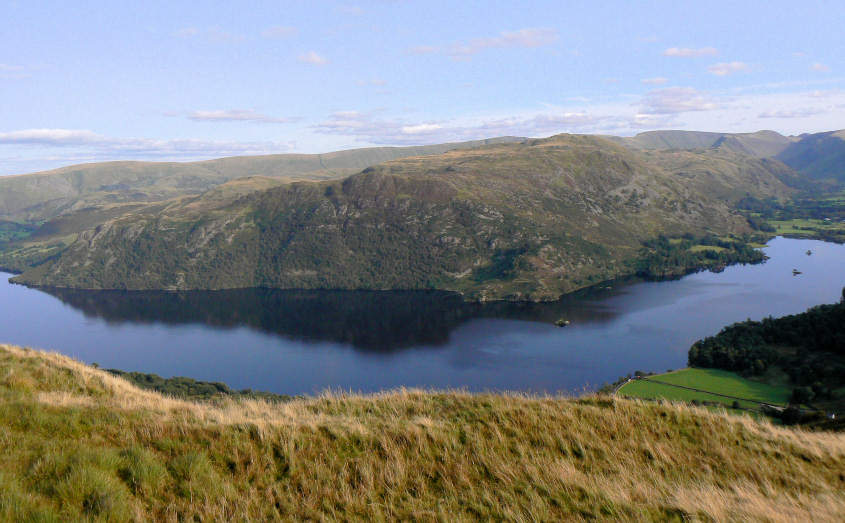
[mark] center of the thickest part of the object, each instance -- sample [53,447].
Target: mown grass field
[710,380]
[77,443]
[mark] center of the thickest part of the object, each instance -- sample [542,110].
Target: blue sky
[96,81]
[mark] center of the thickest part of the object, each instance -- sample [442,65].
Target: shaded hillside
[80,443]
[760,144]
[60,191]
[820,155]
[518,221]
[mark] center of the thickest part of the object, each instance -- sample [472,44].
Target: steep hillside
[77,443]
[517,221]
[820,155]
[761,144]
[47,194]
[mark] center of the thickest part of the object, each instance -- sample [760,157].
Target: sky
[88,81]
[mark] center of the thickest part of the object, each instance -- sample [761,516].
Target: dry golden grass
[405,454]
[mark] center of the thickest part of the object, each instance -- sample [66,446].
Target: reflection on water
[296,342]
[367,320]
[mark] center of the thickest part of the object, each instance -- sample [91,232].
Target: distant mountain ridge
[67,189]
[509,217]
[820,155]
[761,144]
[529,220]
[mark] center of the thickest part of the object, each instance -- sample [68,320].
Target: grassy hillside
[80,443]
[517,221]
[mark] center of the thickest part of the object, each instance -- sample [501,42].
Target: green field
[805,227]
[711,380]
[700,248]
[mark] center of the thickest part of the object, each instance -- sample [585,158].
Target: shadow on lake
[371,321]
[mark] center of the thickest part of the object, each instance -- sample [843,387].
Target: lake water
[295,342]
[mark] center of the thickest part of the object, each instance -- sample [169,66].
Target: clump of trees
[189,388]
[811,349]
[665,257]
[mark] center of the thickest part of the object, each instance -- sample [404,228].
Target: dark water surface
[296,342]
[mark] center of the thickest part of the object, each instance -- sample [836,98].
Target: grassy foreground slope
[76,442]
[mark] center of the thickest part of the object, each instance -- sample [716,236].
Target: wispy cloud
[672,100]
[824,93]
[313,58]
[423,49]
[280,31]
[211,34]
[528,37]
[795,113]
[368,128]
[727,68]
[232,115]
[464,51]
[819,67]
[659,80]
[350,10]
[55,137]
[104,147]
[373,81]
[649,121]
[13,72]
[689,52]
[187,32]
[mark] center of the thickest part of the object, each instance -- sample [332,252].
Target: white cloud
[311,57]
[659,80]
[242,115]
[689,52]
[673,100]
[727,68]
[280,31]
[424,128]
[820,67]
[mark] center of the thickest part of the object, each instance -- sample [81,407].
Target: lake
[301,342]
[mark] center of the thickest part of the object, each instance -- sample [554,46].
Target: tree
[802,395]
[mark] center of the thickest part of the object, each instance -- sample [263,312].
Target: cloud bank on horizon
[185,82]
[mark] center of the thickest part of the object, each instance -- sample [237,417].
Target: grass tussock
[79,443]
